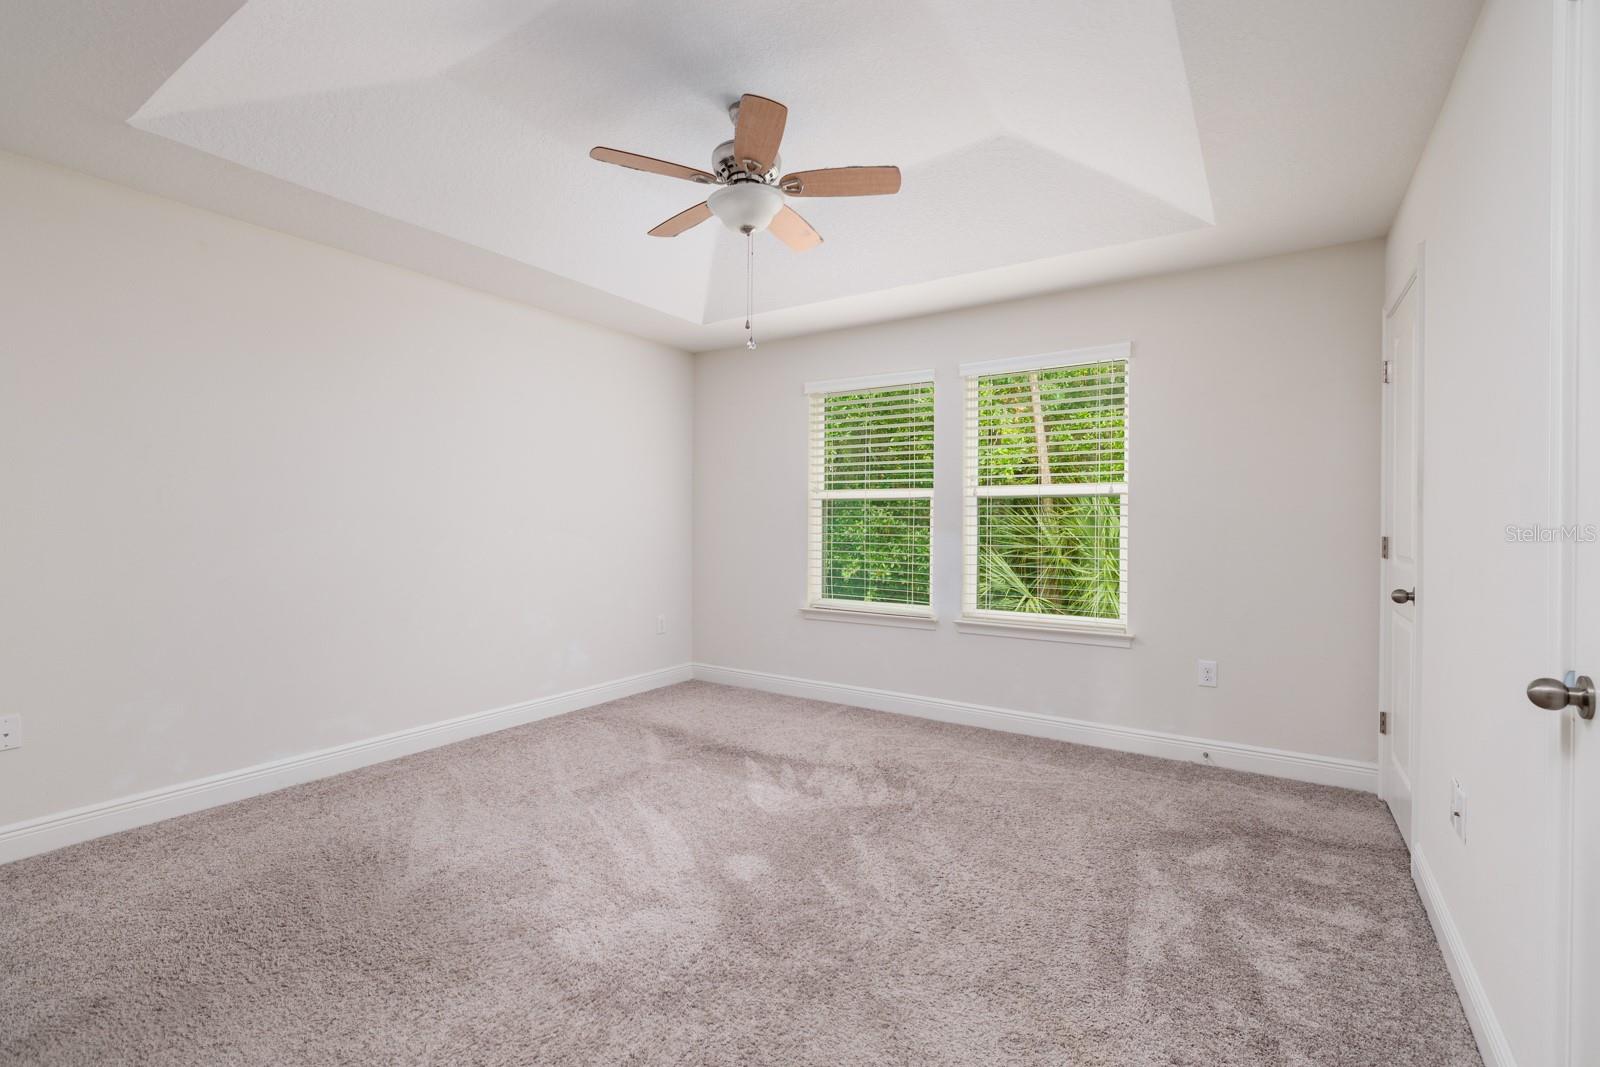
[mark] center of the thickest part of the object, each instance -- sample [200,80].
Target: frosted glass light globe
[745,207]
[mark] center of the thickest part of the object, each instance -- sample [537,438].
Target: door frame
[1415,279]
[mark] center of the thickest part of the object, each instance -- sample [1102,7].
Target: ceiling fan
[751,195]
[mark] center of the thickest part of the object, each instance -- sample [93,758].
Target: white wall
[1254,459]
[1481,200]
[262,497]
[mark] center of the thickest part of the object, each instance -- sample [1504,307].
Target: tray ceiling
[1057,129]
[1044,143]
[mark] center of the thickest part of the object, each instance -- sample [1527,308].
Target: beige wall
[1480,201]
[262,497]
[1254,452]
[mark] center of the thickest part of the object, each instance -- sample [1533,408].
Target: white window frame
[816,606]
[1071,628]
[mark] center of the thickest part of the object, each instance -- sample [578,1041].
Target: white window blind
[871,494]
[1046,490]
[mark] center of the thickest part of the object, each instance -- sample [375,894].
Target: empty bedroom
[589,532]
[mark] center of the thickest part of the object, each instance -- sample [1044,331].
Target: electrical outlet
[10,732]
[1207,674]
[661,624]
[1458,809]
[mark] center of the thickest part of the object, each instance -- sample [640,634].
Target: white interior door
[1402,523]
[1582,737]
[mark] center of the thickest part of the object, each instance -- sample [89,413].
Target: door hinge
[1383,547]
[1387,377]
[1383,722]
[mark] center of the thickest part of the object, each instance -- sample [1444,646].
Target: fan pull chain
[749,289]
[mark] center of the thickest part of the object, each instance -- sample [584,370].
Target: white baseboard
[96,820]
[1492,1044]
[50,832]
[1323,770]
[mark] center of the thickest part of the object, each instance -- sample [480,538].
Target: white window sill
[1047,631]
[904,620]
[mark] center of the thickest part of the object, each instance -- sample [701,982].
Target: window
[871,494]
[1046,491]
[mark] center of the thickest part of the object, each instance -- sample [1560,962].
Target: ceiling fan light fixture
[752,184]
[746,207]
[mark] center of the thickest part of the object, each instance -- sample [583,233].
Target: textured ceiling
[1045,143]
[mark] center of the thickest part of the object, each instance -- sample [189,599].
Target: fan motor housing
[726,168]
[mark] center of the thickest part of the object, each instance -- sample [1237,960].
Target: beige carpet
[704,875]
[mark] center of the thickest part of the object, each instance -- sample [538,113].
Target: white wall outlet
[661,624]
[1207,674]
[10,732]
[1458,809]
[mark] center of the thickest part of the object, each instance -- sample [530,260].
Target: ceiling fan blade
[633,161]
[794,231]
[759,132]
[687,219]
[842,181]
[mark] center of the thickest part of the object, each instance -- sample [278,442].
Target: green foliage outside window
[1075,416]
[1058,553]
[876,551]
[1052,554]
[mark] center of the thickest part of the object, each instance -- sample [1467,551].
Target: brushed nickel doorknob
[1403,596]
[1553,694]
